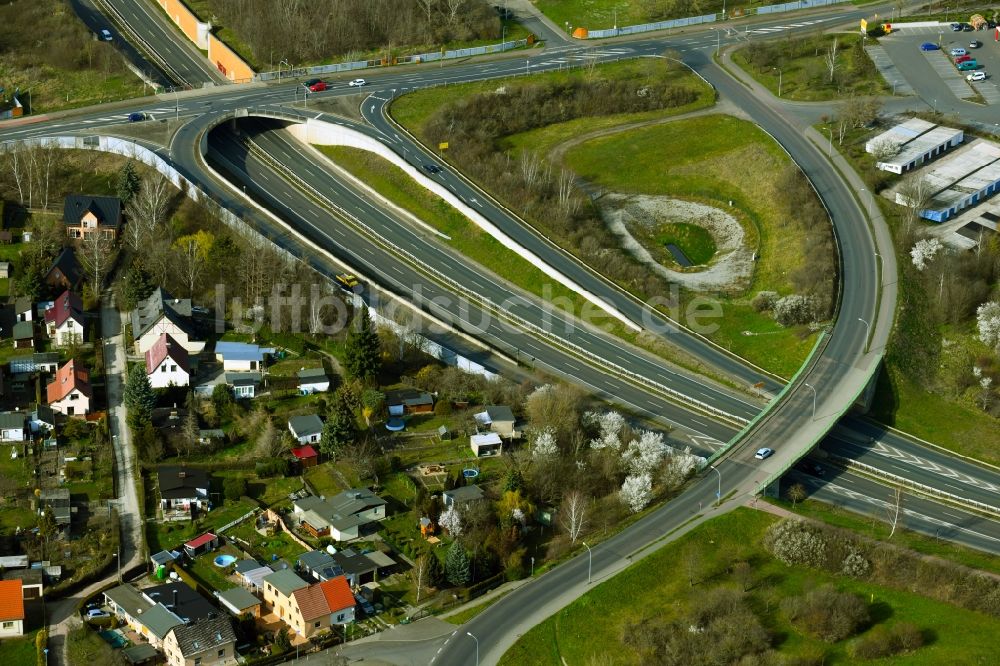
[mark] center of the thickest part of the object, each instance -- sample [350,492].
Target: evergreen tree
[136,287]
[363,350]
[456,565]
[338,431]
[435,573]
[138,396]
[128,182]
[513,480]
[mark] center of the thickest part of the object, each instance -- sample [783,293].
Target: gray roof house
[284,581]
[340,516]
[462,495]
[319,564]
[210,641]
[313,380]
[149,619]
[58,500]
[13,426]
[307,428]
[162,313]
[238,600]
[499,419]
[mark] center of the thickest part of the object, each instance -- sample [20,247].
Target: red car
[315,85]
[961,59]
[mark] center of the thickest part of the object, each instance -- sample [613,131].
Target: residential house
[84,215]
[244,384]
[340,516]
[278,588]
[306,455]
[339,599]
[24,335]
[32,582]
[162,313]
[202,643]
[252,573]
[13,426]
[409,401]
[240,356]
[309,614]
[56,499]
[499,419]
[486,444]
[69,392]
[37,362]
[461,496]
[65,272]
[205,543]
[64,322]
[42,421]
[313,380]
[24,309]
[211,436]
[237,600]
[167,363]
[306,429]
[181,600]
[151,620]
[183,491]
[360,568]
[11,608]
[318,565]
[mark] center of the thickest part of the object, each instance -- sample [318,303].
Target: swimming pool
[224,560]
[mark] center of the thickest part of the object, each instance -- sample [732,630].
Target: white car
[357,83]
[763,453]
[976,76]
[958,51]
[106,35]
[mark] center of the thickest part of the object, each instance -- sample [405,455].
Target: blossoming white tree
[636,492]
[924,251]
[451,520]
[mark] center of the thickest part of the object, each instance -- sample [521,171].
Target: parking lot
[932,74]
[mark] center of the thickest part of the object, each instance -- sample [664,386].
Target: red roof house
[167,363]
[203,544]
[69,392]
[306,455]
[340,599]
[11,608]
[64,320]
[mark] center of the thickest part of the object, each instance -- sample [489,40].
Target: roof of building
[128,599]
[13,561]
[107,210]
[465,493]
[163,347]
[200,541]
[418,400]
[353,562]
[338,594]
[67,265]
[12,420]
[212,433]
[241,351]
[304,452]
[44,414]
[314,559]
[178,482]
[305,425]
[161,304]
[67,305]
[204,635]
[140,653]
[342,510]
[23,330]
[380,559]
[162,557]
[238,599]
[285,581]
[312,374]
[159,620]
[69,378]
[242,378]
[242,566]
[499,413]
[485,439]
[11,600]
[312,602]
[26,576]
[182,600]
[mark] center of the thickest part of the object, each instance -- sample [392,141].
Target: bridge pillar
[773,489]
[864,402]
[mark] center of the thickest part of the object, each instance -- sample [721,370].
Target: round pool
[470,473]
[224,560]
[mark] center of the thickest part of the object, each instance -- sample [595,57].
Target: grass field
[574,636]
[694,241]
[599,14]
[707,160]
[800,68]
[19,650]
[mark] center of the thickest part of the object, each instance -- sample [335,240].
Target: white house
[341,516]
[167,363]
[70,393]
[11,608]
[313,380]
[486,444]
[64,320]
[13,427]
[307,429]
[161,313]
[183,491]
[240,356]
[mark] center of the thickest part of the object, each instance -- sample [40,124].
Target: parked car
[991,25]
[929,46]
[357,83]
[95,613]
[315,85]
[967,28]
[432,168]
[960,59]
[976,76]
[968,65]
[975,44]
[106,35]
[958,51]
[956,27]
[763,453]
[136,116]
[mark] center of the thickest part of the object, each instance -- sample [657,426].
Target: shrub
[794,309]
[826,613]
[764,301]
[855,564]
[794,542]
[234,487]
[442,407]
[272,467]
[884,642]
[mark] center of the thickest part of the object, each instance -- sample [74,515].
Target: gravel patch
[730,269]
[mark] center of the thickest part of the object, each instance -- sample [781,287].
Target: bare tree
[913,194]
[743,574]
[565,188]
[420,572]
[192,263]
[797,493]
[428,7]
[97,254]
[895,509]
[831,59]
[147,210]
[531,169]
[454,7]
[573,514]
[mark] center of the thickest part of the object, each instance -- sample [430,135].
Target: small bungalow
[238,600]
[183,491]
[306,429]
[65,272]
[163,558]
[244,384]
[205,543]
[313,380]
[462,495]
[211,435]
[499,419]
[24,335]
[306,455]
[240,356]
[13,427]
[486,444]
[32,582]
[58,500]
[408,401]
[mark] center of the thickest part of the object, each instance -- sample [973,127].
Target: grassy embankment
[643,591]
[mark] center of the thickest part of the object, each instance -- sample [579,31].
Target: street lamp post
[177,105]
[718,495]
[779,79]
[868,329]
[814,398]
[829,150]
[532,567]
[503,38]
[280,63]
[469,634]
[590,561]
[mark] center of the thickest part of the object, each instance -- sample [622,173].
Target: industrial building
[915,142]
[959,181]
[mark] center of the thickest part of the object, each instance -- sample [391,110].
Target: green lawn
[694,241]
[600,14]
[265,547]
[804,73]
[708,162]
[203,568]
[18,650]
[573,636]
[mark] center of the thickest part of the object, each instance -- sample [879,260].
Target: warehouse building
[960,181]
[912,143]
